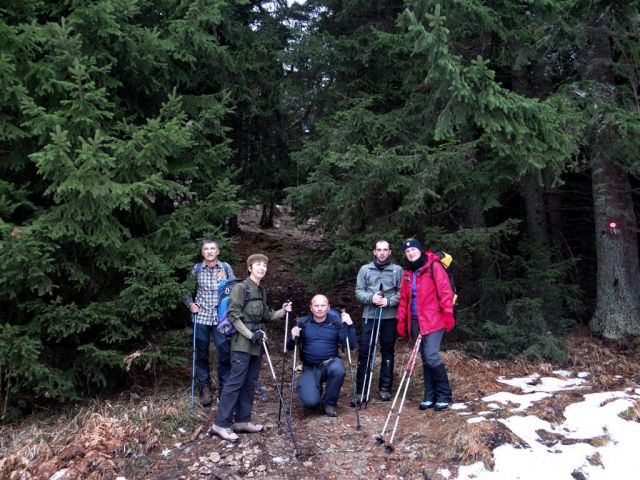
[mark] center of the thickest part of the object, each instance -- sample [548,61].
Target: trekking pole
[408,372]
[353,382]
[287,417]
[192,403]
[293,376]
[367,370]
[284,358]
[373,358]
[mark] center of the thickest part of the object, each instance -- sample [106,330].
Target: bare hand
[346,319]
[195,308]
[378,300]
[295,332]
[287,306]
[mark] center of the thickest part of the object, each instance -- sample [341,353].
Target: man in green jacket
[236,400]
[378,289]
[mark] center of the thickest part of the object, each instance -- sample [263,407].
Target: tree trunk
[266,219]
[617,313]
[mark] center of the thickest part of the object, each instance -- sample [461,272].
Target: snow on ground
[593,443]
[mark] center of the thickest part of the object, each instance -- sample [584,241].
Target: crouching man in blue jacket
[320,334]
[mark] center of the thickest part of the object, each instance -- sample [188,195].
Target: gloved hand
[257,336]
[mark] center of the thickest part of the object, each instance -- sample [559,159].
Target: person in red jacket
[426,307]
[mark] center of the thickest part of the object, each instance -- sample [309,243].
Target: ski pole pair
[371,359]
[287,417]
[408,370]
[284,357]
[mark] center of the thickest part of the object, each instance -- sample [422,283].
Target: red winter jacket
[433,315]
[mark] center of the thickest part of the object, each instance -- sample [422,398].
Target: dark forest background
[504,132]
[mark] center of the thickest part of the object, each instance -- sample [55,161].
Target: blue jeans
[312,378]
[223,355]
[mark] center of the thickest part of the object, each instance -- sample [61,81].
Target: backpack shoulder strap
[226,268]
[397,276]
[197,268]
[302,323]
[433,279]
[247,294]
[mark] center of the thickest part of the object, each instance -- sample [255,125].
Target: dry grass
[88,441]
[632,414]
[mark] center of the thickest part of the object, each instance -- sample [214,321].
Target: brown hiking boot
[206,396]
[224,433]
[247,427]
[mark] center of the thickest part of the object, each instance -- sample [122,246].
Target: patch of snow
[494,406]
[524,401]
[545,384]
[477,420]
[458,406]
[598,415]
[563,373]
[472,471]
[166,452]
[583,374]
[59,474]
[444,472]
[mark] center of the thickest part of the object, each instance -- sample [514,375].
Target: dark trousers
[387,336]
[310,384]
[436,380]
[223,355]
[236,400]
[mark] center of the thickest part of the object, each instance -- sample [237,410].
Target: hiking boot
[206,395]
[224,433]
[247,427]
[330,411]
[385,396]
[426,404]
[356,402]
[442,406]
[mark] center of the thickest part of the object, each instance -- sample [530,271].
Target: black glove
[257,336]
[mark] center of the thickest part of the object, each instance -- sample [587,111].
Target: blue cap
[412,242]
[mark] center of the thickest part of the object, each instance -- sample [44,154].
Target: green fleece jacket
[368,283]
[250,317]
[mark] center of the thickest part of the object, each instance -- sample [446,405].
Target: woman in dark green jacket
[236,399]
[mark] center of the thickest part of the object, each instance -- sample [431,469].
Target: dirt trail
[329,447]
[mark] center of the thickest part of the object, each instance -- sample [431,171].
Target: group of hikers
[416,302]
